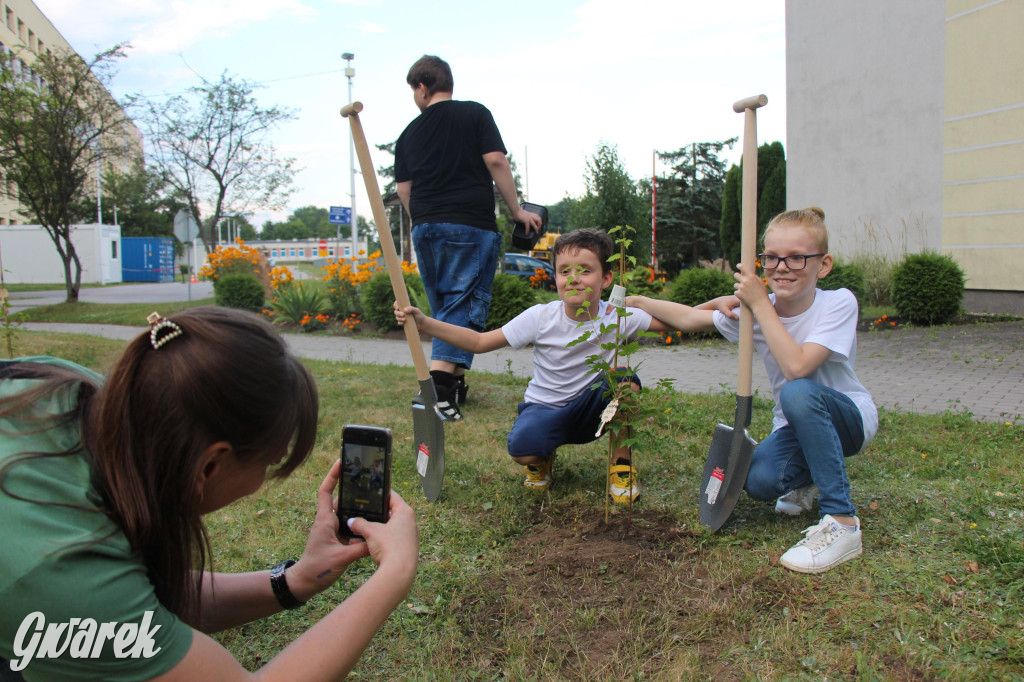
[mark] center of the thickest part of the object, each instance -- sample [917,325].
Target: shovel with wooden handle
[725,472]
[427,421]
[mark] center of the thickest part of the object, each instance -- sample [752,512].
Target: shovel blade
[428,440]
[725,474]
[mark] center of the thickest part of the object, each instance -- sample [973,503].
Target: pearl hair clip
[159,324]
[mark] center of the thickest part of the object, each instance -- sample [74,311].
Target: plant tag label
[607,416]
[422,458]
[715,484]
[617,299]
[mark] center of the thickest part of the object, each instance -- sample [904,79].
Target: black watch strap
[279,583]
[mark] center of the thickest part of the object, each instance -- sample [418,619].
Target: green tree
[316,219]
[771,175]
[690,204]
[292,229]
[395,211]
[612,198]
[58,122]
[136,201]
[729,225]
[213,147]
[558,215]
[771,181]
[772,199]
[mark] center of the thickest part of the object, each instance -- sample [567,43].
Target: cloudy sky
[560,76]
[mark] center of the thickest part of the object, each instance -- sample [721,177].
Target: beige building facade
[25,33]
[905,122]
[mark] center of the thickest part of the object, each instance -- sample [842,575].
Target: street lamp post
[350,73]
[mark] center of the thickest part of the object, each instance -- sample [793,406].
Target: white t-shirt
[831,321]
[561,372]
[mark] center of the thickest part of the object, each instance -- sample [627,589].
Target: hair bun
[818,211]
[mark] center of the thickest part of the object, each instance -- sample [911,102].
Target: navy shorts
[539,429]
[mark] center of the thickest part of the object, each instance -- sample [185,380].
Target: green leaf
[580,339]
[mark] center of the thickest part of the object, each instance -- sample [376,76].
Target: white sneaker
[824,546]
[797,502]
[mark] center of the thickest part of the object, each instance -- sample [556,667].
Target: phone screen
[363,469]
[365,474]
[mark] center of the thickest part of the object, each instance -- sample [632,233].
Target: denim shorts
[539,429]
[457,265]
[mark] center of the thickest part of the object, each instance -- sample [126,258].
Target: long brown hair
[227,377]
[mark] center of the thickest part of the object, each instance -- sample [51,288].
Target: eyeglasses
[797,261]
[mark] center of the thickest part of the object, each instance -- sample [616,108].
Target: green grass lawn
[59,286]
[132,314]
[523,586]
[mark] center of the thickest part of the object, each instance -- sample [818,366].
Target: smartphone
[365,486]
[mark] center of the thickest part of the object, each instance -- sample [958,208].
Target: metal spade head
[428,440]
[725,472]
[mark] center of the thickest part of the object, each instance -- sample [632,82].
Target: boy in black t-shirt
[447,162]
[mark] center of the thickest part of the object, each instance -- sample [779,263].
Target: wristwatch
[279,583]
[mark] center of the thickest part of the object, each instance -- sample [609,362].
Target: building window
[273,253]
[291,252]
[302,253]
[31,40]
[3,221]
[10,18]
[21,30]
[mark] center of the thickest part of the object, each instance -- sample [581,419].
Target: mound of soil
[585,590]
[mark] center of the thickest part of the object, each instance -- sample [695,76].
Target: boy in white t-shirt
[807,338]
[561,405]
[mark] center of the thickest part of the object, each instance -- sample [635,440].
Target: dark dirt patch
[580,592]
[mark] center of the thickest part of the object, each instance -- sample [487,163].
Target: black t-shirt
[441,152]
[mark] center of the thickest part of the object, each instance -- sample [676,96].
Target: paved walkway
[975,368]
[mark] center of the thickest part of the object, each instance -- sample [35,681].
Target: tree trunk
[72,279]
[70,286]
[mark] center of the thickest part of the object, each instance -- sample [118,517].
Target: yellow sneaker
[538,476]
[624,485]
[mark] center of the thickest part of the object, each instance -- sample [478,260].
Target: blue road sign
[339,215]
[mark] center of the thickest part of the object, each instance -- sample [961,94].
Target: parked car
[526,266]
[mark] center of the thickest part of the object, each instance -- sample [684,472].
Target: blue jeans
[824,427]
[457,265]
[540,429]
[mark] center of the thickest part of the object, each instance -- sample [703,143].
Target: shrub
[378,299]
[297,301]
[343,298]
[239,290]
[844,276]
[927,288]
[698,285]
[237,258]
[643,281]
[877,279]
[510,295]
[417,292]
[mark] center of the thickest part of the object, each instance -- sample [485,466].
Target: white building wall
[30,256]
[865,121]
